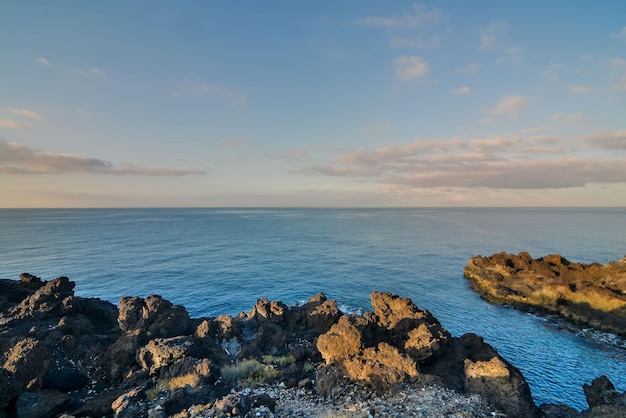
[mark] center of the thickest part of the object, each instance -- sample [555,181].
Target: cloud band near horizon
[19,159]
[540,162]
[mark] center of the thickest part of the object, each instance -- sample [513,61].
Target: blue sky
[356,103]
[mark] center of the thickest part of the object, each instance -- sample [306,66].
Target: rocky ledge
[67,356]
[591,295]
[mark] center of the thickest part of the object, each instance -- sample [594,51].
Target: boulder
[602,392]
[162,352]
[28,361]
[49,300]
[275,311]
[122,353]
[42,404]
[65,380]
[383,347]
[130,404]
[488,374]
[316,316]
[155,316]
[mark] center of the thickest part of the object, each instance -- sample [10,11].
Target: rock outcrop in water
[63,355]
[589,294]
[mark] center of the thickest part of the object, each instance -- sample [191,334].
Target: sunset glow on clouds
[321,104]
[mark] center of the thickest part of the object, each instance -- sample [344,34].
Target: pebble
[356,401]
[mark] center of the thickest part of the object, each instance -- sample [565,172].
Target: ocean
[216,261]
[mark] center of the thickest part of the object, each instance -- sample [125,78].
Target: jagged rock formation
[62,354]
[397,342]
[590,294]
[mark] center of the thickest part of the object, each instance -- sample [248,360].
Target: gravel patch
[354,401]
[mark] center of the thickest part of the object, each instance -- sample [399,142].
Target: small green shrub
[281,361]
[308,367]
[250,373]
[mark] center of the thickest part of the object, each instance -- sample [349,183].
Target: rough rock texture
[63,355]
[398,343]
[590,294]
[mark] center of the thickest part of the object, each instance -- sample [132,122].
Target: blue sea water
[217,261]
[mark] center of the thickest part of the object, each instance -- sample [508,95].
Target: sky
[312,104]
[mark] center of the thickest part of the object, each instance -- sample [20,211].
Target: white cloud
[411,68]
[231,96]
[618,75]
[422,28]
[470,68]
[569,117]
[491,36]
[505,162]
[10,124]
[552,72]
[299,154]
[462,90]
[510,106]
[97,72]
[91,72]
[580,89]
[13,118]
[26,113]
[621,34]
[430,42]
[513,55]
[615,140]
[421,15]
[19,159]
[621,84]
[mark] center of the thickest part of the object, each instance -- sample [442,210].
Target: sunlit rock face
[590,294]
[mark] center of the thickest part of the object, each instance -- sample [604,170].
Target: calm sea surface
[217,261]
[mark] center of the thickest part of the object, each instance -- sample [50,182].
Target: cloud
[462,90]
[409,68]
[569,117]
[10,124]
[621,34]
[513,55]
[618,66]
[233,97]
[470,68]
[26,113]
[90,72]
[607,140]
[420,17]
[621,84]
[299,154]
[418,29]
[430,42]
[510,162]
[491,36]
[552,72]
[19,159]
[510,106]
[580,89]
[9,115]
[97,72]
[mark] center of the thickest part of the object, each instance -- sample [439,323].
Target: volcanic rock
[64,355]
[589,294]
[153,315]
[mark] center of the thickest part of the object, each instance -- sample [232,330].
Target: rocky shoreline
[590,295]
[63,355]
